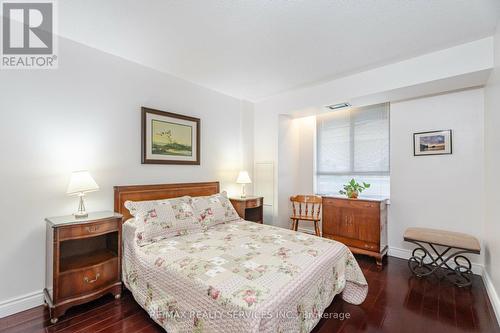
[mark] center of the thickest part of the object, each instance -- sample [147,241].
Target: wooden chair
[311,212]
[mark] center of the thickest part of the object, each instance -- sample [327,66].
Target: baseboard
[406,254]
[493,295]
[21,303]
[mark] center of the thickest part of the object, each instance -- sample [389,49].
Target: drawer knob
[93,228]
[87,280]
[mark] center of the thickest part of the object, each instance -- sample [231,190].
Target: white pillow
[214,209]
[159,219]
[135,206]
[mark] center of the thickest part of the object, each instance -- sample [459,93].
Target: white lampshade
[81,182]
[243,178]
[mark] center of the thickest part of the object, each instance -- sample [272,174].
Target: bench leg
[422,263]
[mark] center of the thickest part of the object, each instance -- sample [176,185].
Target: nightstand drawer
[249,208]
[82,281]
[252,203]
[88,229]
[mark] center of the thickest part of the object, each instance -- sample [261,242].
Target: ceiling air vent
[338,106]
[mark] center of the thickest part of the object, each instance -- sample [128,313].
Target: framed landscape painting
[169,138]
[432,143]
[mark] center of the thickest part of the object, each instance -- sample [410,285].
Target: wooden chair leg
[316,229]
[296,225]
[293,224]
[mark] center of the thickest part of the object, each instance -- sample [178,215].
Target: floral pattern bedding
[214,209]
[240,277]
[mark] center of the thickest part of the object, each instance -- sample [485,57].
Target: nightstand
[249,208]
[83,260]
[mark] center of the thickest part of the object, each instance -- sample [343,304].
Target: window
[353,143]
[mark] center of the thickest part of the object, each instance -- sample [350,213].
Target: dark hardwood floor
[396,302]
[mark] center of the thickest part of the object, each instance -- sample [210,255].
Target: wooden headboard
[157,192]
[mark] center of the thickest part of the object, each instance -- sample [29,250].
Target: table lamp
[243,178]
[81,182]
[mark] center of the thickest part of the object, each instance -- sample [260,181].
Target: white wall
[431,191]
[454,68]
[307,157]
[295,167]
[445,191]
[86,115]
[288,168]
[492,177]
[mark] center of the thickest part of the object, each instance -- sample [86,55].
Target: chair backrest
[311,203]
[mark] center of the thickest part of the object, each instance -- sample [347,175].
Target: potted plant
[353,189]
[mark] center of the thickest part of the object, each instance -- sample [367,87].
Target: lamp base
[81,213]
[243,194]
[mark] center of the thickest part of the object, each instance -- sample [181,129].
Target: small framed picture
[432,143]
[169,138]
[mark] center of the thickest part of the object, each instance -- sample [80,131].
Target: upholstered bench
[446,246]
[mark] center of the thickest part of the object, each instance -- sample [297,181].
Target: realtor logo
[28,35]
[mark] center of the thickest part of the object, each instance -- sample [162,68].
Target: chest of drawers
[359,224]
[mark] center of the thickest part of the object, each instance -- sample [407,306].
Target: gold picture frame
[169,138]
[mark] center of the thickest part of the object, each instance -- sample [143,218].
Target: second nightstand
[249,208]
[83,260]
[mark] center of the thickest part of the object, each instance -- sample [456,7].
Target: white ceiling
[253,49]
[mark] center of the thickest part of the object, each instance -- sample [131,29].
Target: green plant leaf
[353,187]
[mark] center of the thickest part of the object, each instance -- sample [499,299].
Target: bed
[234,277]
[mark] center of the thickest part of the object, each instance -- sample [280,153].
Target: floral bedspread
[240,277]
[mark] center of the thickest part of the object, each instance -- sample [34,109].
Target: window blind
[353,143]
